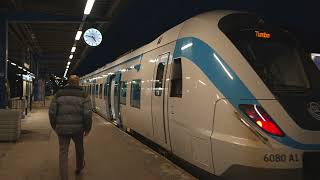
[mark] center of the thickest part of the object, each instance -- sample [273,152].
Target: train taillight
[258,115]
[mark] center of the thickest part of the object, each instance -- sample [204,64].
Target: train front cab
[275,94]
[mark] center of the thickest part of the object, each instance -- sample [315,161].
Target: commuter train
[224,91]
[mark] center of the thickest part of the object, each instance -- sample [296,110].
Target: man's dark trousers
[64,141]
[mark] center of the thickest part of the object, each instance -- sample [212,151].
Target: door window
[123,92]
[116,90]
[135,93]
[100,91]
[159,79]
[176,81]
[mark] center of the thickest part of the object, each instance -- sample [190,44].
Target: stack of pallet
[10,125]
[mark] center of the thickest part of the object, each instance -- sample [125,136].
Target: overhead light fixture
[68,63]
[19,67]
[314,55]
[14,64]
[67,66]
[73,49]
[78,35]
[71,56]
[88,7]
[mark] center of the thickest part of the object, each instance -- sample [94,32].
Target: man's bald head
[74,80]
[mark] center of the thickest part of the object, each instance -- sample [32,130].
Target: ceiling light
[314,55]
[19,67]
[88,7]
[14,64]
[73,49]
[78,35]
[71,56]
[68,67]
[68,63]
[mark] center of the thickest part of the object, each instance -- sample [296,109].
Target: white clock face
[92,37]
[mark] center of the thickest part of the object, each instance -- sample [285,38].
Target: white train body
[198,106]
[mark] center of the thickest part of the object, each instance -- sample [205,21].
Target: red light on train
[258,115]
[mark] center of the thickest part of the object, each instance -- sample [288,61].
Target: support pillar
[4,94]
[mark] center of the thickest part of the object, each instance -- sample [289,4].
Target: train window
[100,91]
[92,90]
[135,93]
[97,90]
[105,91]
[159,80]
[273,53]
[123,92]
[176,80]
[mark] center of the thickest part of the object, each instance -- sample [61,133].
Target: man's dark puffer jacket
[70,111]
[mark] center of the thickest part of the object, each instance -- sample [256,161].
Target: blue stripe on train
[225,79]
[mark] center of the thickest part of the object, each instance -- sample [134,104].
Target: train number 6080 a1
[275,158]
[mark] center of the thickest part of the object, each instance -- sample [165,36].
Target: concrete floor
[109,153]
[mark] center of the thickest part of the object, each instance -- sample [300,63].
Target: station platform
[109,153]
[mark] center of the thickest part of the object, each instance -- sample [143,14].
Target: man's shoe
[78,171]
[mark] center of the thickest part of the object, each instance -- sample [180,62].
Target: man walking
[71,117]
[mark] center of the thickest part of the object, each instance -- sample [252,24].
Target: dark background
[141,21]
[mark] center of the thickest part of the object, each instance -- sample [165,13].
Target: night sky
[141,21]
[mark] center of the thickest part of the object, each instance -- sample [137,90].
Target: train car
[224,91]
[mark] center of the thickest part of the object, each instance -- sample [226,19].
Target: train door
[108,96]
[175,108]
[93,96]
[112,98]
[117,98]
[158,105]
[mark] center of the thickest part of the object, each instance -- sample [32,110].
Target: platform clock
[92,37]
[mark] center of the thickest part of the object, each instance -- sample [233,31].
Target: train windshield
[272,53]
